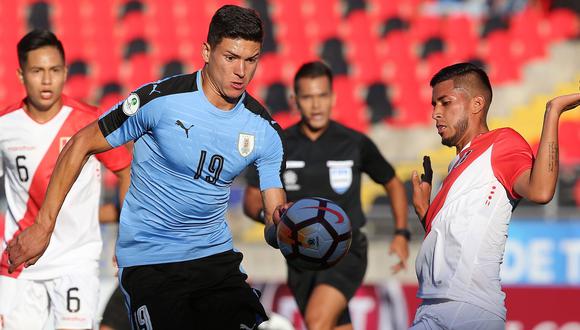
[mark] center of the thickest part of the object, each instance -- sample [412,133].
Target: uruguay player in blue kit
[193,135]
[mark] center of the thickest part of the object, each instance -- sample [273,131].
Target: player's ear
[205,51]
[477,104]
[293,102]
[20,75]
[333,96]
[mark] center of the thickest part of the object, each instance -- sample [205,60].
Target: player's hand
[28,246]
[400,247]
[279,212]
[271,226]
[563,103]
[422,188]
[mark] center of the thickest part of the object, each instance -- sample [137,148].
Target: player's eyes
[230,58]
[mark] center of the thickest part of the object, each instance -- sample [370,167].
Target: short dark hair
[465,75]
[312,70]
[235,22]
[37,39]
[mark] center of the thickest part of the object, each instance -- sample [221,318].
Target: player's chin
[235,94]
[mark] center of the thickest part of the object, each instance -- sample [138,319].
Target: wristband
[403,232]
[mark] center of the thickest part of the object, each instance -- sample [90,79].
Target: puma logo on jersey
[154,89]
[186,129]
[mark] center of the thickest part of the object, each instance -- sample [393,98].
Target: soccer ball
[314,233]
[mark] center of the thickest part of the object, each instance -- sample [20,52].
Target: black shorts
[115,315]
[206,293]
[346,276]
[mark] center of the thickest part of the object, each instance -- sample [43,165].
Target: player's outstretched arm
[399,205]
[275,205]
[539,183]
[422,189]
[29,246]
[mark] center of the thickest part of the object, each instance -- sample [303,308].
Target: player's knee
[315,320]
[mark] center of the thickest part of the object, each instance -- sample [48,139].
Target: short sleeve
[115,159]
[271,161]
[511,156]
[373,162]
[131,118]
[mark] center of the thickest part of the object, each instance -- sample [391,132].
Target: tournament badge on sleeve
[131,104]
[340,173]
[245,144]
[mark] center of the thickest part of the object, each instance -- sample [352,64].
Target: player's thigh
[325,305]
[19,300]
[229,308]
[74,300]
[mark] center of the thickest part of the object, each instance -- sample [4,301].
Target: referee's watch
[403,232]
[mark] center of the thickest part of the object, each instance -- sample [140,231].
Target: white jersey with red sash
[467,222]
[28,154]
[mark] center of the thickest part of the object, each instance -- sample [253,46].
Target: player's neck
[469,136]
[40,115]
[311,134]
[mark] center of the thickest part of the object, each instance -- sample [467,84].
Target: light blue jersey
[186,155]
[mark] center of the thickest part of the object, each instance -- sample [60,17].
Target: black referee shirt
[331,167]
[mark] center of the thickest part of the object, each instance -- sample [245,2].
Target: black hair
[235,22]
[37,39]
[465,75]
[312,70]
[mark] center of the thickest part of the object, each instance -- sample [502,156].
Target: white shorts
[71,301]
[435,314]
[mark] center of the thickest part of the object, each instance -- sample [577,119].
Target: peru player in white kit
[466,224]
[64,282]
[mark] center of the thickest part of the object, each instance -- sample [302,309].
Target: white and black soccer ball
[314,233]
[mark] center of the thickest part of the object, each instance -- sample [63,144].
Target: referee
[326,159]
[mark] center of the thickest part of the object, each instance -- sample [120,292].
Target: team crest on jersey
[131,104]
[63,141]
[340,174]
[245,144]
[461,160]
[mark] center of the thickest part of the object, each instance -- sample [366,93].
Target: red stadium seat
[564,24]
[460,35]
[498,54]
[424,27]
[349,109]
[524,31]
[362,47]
